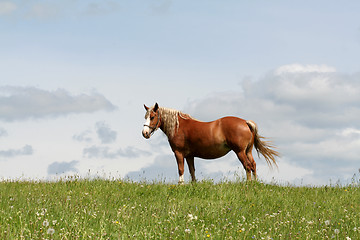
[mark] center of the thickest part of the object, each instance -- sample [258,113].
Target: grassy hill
[113,209]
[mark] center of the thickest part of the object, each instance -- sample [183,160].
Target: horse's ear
[156,107]
[146,108]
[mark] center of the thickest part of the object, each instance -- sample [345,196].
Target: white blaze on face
[146,129]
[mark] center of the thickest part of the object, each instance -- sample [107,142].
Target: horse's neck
[169,121]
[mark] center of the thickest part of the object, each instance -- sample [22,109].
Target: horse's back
[223,126]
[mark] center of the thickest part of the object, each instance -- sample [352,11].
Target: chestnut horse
[191,138]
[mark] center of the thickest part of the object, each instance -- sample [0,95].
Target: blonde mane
[170,120]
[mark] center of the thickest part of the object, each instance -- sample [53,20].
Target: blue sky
[75,74]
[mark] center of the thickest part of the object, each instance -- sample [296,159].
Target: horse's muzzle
[146,134]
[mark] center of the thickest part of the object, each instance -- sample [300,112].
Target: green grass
[114,209]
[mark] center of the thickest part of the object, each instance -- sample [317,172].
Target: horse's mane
[170,119]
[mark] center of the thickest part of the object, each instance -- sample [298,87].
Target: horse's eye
[152,118]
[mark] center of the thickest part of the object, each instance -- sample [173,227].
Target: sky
[74,76]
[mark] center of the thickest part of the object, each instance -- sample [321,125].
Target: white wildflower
[187,230]
[192,217]
[46,223]
[43,212]
[51,231]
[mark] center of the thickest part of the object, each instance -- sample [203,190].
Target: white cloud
[104,132]
[106,152]
[62,167]
[312,98]
[299,68]
[164,168]
[21,103]
[287,172]
[343,147]
[350,132]
[10,153]
[106,137]
[7,7]
[83,136]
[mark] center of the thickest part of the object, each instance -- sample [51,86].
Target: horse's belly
[211,152]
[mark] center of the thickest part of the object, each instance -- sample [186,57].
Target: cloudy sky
[74,76]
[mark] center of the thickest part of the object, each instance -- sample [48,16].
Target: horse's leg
[245,162]
[180,162]
[252,164]
[250,157]
[191,165]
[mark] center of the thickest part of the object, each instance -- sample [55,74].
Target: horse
[190,138]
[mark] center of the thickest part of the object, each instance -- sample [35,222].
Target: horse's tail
[263,147]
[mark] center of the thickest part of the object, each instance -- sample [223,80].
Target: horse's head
[153,120]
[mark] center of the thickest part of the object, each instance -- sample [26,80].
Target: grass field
[113,209]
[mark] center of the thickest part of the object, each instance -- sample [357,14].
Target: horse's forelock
[148,112]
